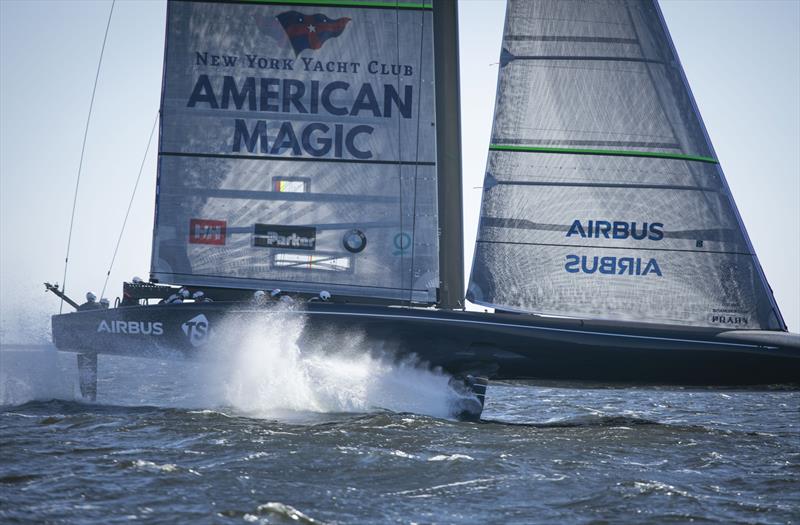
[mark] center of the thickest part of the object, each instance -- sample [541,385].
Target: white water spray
[260,367]
[255,365]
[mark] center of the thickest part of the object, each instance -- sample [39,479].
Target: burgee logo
[310,31]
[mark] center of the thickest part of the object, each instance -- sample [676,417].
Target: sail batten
[603,197]
[609,152]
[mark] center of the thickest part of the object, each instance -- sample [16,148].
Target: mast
[448,154]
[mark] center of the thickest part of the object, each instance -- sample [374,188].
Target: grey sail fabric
[298,150]
[603,197]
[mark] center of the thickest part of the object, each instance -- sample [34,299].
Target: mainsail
[603,197]
[298,149]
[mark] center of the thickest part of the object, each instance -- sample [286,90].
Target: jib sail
[603,197]
[297,149]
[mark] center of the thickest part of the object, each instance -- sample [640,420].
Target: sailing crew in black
[179,297]
[91,303]
[200,297]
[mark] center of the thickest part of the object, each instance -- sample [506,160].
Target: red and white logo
[205,231]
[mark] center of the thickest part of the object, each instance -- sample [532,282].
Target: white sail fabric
[298,150]
[603,197]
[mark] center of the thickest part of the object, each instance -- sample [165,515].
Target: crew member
[178,297]
[104,303]
[286,300]
[323,296]
[91,302]
[200,297]
[260,298]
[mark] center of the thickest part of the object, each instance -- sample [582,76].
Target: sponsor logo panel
[279,236]
[131,327]
[207,231]
[730,318]
[613,265]
[196,330]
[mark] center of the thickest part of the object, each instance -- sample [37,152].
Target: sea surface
[277,433]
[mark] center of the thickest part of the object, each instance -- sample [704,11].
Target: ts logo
[196,329]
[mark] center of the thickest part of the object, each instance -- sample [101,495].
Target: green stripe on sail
[607,152]
[342,3]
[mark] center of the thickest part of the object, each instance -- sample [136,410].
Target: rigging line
[399,138]
[130,203]
[80,163]
[416,158]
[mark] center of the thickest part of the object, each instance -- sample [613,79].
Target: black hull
[497,346]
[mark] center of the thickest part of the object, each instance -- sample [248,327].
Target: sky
[742,60]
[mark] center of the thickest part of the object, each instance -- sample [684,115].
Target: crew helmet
[198,295]
[183,292]
[91,297]
[259,295]
[325,295]
[104,302]
[137,280]
[275,293]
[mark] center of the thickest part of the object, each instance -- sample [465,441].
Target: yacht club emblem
[310,31]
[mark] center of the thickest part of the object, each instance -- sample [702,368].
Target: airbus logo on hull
[131,327]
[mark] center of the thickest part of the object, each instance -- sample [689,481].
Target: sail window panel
[570,28]
[585,28]
[400,259]
[611,107]
[610,217]
[327,180]
[291,184]
[601,18]
[314,262]
[687,293]
[556,168]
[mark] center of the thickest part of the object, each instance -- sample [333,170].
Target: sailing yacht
[315,146]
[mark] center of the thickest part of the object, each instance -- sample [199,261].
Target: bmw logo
[354,241]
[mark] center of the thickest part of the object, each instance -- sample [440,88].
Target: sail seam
[586,58]
[613,247]
[582,39]
[604,152]
[326,3]
[586,143]
[343,285]
[277,195]
[606,185]
[301,159]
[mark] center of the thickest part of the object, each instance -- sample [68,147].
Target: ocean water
[271,432]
